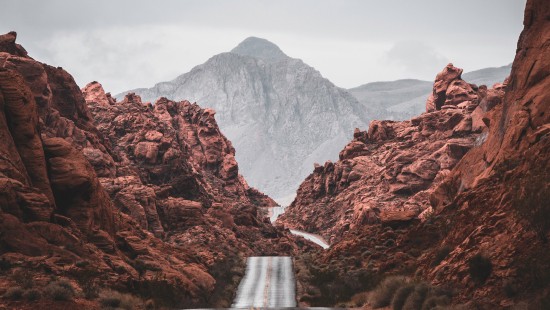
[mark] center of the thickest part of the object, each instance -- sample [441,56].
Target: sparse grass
[436,301]
[401,296]
[14,293]
[406,295]
[24,278]
[359,299]
[383,294]
[480,268]
[416,299]
[32,294]
[60,290]
[113,299]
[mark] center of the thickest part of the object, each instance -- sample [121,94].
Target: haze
[129,44]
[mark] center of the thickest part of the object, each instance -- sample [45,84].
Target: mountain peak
[259,48]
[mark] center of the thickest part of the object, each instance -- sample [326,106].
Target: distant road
[268,283]
[311,237]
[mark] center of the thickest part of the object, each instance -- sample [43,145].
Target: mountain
[403,99]
[281,114]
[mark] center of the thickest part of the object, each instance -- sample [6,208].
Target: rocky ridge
[386,174]
[405,99]
[484,237]
[119,194]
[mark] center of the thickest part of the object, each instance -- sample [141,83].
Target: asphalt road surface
[268,283]
[311,237]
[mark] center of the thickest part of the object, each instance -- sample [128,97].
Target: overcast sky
[128,44]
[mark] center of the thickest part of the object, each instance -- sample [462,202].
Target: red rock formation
[491,206]
[149,201]
[387,174]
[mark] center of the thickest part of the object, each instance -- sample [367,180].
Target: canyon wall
[119,194]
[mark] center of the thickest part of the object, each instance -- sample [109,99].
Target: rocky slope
[387,173]
[118,194]
[404,99]
[280,113]
[486,235]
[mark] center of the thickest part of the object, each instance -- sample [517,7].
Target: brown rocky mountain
[387,174]
[457,197]
[101,194]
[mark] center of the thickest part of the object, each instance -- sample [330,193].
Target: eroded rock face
[123,193]
[491,206]
[386,174]
[450,91]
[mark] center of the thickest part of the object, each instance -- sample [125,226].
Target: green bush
[60,290]
[113,299]
[13,293]
[480,268]
[383,294]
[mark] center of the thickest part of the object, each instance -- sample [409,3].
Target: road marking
[268,283]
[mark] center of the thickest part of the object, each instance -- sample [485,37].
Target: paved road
[311,237]
[268,282]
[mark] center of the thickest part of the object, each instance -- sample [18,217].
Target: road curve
[268,283]
[311,237]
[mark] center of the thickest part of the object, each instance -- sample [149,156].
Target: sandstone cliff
[122,195]
[386,174]
[475,223]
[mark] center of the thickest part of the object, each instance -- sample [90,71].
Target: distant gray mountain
[281,114]
[488,76]
[403,99]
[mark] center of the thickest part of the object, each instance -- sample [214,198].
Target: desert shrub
[113,299]
[480,268]
[359,299]
[13,293]
[435,301]
[416,299]
[383,294]
[400,296]
[510,288]
[86,277]
[441,254]
[24,278]
[82,263]
[32,294]
[60,290]
[5,264]
[150,304]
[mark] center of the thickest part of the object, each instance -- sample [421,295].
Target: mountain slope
[280,113]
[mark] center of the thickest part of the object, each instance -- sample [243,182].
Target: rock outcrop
[119,194]
[387,174]
[484,230]
[405,99]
